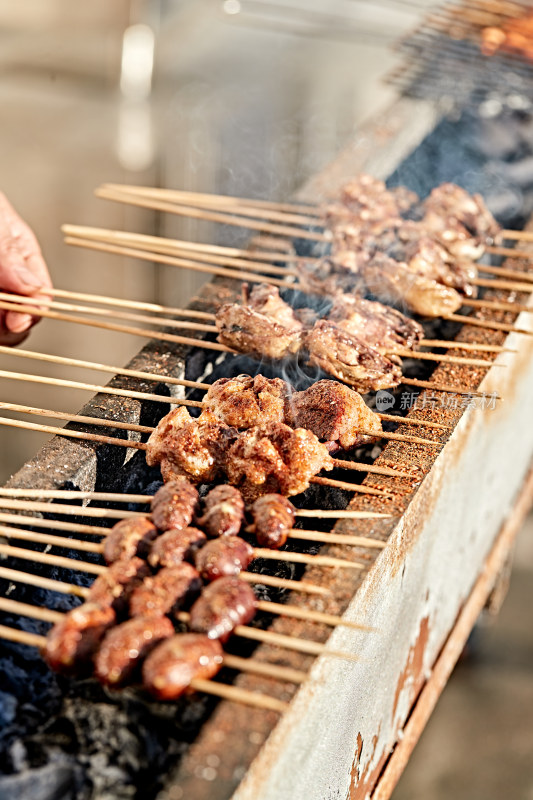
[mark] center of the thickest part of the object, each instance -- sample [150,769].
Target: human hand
[22,271]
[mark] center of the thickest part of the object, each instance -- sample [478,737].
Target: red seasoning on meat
[115,585]
[129,538]
[174,504]
[127,645]
[273,517]
[175,663]
[71,643]
[172,588]
[222,606]
[227,555]
[175,546]
[223,511]
[245,400]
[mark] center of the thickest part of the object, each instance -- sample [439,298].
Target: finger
[22,266]
[19,323]
[7,337]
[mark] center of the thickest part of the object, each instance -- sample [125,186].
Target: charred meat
[223,511]
[127,645]
[176,662]
[72,642]
[115,586]
[175,546]
[225,556]
[193,449]
[129,538]
[174,504]
[393,282]
[245,401]
[275,458]
[334,413]
[248,331]
[350,359]
[273,517]
[374,322]
[171,589]
[222,606]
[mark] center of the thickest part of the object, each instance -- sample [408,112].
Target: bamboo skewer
[151,256]
[110,326]
[232,662]
[117,497]
[143,445]
[210,216]
[140,198]
[256,634]
[219,199]
[98,548]
[93,365]
[168,379]
[100,422]
[235,256]
[99,569]
[213,329]
[92,387]
[525,236]
[96,530]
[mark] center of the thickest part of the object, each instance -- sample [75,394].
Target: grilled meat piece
[273,517]
[275,458]
[172,666]
[351,359]
[115,586]
[245,400]
[457,215]
[192,449]
[227,555]
[174,505]
[171,589]
[175,546]
[265,299]
[129,538]
[374,322]
[369,199]
[126,646]
[71,643]
[334,413]
[222,606]
[393,282]
[248,331]
[171,423]
[223,511]
[329,276]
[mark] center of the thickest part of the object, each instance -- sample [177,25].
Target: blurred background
[249,98]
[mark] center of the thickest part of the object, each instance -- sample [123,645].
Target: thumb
[14,274]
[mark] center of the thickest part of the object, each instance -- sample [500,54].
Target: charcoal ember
[174,505]
[129,538]
[125,647]
[115,586]
[223,511]
[171,589]
[222,606]
[175,546]
[71,643]
[227,555]
[170,668]
[273,517]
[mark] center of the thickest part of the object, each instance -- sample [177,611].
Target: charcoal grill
[349,730]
